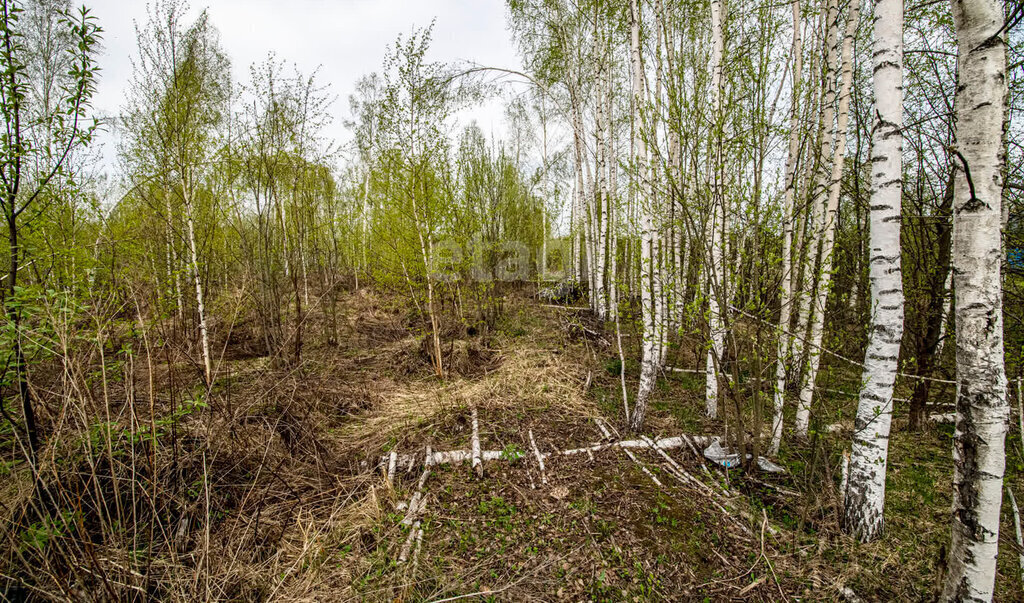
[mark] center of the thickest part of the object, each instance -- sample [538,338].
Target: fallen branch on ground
[442,457]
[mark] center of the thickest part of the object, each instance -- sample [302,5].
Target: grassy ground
[295,510]
[598,530]
[601,530]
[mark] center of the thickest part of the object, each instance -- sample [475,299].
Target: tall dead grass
[150,486]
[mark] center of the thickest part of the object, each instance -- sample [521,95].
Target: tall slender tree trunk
[578,162]
[828,224]
[663,242]
[543,268]
[574,246]
[426,251]
[599,297]
[786,294]
[672,176]
[982,409]
[804,234]
[809,223]
[645,205]
[204,338]
[15,317]
[366,219]
[716,274]
[864,499]
[947,302]
[609,245]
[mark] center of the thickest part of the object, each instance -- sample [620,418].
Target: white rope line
[852,394]
[830,352]
[675,369]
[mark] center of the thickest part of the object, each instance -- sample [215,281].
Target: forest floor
[290,480]
[600,528]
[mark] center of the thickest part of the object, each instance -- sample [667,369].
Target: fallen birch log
[392,467]
[683,475]
[417,502]
[540,459]
[643,467]
[632,457]
[478,464]
[419,545]
[403,556]
[442,457]
[676,369]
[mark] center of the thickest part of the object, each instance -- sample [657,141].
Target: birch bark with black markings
[864,497]
[982,408]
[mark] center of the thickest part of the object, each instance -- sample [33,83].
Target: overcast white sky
[344,38]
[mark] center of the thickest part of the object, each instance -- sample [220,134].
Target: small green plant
[39,534]
[512,453]
[661,516]
[584,505]
[613,366]
[499,510]
[605,528]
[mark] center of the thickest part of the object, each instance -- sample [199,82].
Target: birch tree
[181,91]
[786,291]
[642,185]
[830,183]
[717,222]
[982,408]
[865,494]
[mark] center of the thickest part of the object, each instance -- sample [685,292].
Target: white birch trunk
[172,262]
[946,306]
[607,236]
[544,206]
[578,157]
[366,218]
[672,169]
[204,339]
[716,277]
[803,246]
[641,181]
[662,282]
[786,295]
[828,225]
[808,229]
[574,236]
[662,291]
[982,408]
[544,245]
[864,498]
[599,218]
[1016,529]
